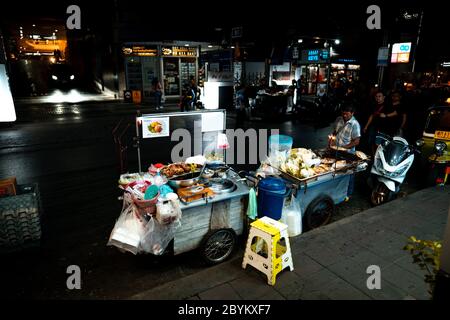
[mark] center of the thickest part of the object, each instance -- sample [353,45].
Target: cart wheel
[218,245]
[319,212]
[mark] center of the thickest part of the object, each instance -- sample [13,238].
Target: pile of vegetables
[299,163]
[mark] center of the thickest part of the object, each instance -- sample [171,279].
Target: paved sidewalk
[331,262]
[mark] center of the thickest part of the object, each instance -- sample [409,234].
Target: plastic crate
[20,219]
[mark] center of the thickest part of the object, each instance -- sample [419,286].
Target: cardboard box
[8,187]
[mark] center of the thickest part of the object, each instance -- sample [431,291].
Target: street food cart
[325,186]
[197,205]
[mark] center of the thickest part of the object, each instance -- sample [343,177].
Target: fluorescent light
[72,77]
[300,40]
[186,45]
[7,110]
[210,46]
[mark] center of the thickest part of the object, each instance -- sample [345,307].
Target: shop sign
[400,52]
[315,56]
[295,53]
[142,51]
[223,76]
[236,32]
[383,56]
[179,52]
[155,127]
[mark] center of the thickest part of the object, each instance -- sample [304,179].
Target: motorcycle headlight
[440,146]
[420,143]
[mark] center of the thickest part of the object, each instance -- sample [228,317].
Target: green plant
[426,254]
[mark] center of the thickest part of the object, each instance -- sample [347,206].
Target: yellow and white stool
[266,233]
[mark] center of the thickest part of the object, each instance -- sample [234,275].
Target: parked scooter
[393,158]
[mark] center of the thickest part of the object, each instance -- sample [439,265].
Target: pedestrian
[346,135]
[291,96]
[374,123]
[395,117]
[156,91]
[241,106]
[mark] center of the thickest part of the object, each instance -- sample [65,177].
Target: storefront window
[171,76]
[134,73]
[188,69]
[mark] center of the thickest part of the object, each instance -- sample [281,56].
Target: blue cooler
[271,194]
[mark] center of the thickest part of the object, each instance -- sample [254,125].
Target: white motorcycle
[393,158]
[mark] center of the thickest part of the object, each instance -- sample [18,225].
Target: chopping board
[190,194]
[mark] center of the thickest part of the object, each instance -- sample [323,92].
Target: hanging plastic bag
[157,236]
[292,217]
[129,228]
[161,229]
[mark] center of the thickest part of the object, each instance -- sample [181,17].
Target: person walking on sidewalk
[156,90]
[346,135]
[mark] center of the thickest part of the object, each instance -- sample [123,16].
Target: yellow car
[435,145]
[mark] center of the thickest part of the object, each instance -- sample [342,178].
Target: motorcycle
[392,160]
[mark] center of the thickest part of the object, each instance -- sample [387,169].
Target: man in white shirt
[346,135]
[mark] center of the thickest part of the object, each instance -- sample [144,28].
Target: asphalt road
[68,149]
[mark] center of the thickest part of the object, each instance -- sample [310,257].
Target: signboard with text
[315,56]
[146,51]
[179,52]
[401,52]
[383,57]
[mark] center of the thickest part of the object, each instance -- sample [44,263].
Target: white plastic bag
[292,217]
[129,228]
[158,236]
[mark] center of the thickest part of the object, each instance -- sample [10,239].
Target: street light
[337,41]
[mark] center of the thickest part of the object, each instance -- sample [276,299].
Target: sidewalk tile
[407,264]
[342,290]
[222,292]
[406,281]
[305,266]
[252,287]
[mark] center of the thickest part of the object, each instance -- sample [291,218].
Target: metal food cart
[318,194]
[210,223]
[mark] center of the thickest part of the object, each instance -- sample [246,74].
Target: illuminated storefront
[320,72]
[172,65]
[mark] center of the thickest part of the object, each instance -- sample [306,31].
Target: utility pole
[417,41]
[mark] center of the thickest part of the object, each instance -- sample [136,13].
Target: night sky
[266,24]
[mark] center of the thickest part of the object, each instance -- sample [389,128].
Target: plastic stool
[278,257]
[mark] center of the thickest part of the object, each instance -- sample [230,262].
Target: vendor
[347,131]
[346,135]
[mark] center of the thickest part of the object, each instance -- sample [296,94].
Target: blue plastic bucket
[271,194]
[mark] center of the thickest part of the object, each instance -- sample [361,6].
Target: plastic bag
[161,229]
[158,236]
[168,211]
[292,217]
[129,228]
